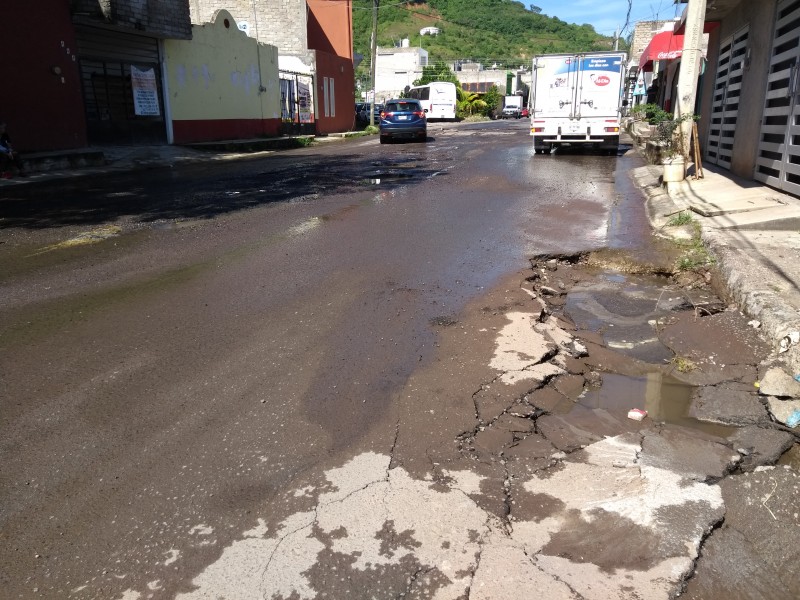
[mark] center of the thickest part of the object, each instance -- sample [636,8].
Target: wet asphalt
[181,347]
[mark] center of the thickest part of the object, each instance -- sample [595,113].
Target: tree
[470,104]
[440,72]
[535,9]
[492,98]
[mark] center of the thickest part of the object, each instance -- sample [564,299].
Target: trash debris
[797,378]
[754,324]
[757,384]
[637,414]
[789,340]
[794,419]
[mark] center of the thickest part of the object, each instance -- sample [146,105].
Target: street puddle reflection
[665,399]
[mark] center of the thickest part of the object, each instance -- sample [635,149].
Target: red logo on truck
[602,80]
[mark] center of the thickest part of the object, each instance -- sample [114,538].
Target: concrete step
[781,218]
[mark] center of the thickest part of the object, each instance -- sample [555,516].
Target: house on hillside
[314,39]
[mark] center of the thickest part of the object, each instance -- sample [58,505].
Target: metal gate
[106,57]
[778,162]
[725,104]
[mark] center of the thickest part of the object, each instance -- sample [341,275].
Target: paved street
[333,372]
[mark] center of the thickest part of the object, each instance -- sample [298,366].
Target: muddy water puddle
[665,399]
[634,318]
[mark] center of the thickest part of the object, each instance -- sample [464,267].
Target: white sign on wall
[244,26]
[145,92]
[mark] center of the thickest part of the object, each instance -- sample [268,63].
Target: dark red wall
[42,112]
[341,70]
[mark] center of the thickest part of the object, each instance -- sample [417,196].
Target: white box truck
[512,107]
[576,100]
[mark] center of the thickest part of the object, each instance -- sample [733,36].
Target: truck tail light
[612,129]
[537,129]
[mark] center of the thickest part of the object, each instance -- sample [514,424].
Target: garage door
[778,162]
[727,91]
[107,58]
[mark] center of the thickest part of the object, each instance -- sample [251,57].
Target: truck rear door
[555,86]
[599,86]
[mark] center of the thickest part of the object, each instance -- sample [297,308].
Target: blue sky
[606,15]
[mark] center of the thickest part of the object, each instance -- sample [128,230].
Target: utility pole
[373,54]
[690,67]
[616,39]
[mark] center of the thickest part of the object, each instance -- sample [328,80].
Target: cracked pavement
[513,505]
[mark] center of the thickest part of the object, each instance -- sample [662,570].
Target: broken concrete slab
[691,455]
[570,386]
[781,410]
[506,571]
[730,568]
[600,508]
[582,426]
[777,382]
[763,506]
[730,406]
[760,446]
[550,400]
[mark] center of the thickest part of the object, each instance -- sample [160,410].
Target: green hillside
[488,31]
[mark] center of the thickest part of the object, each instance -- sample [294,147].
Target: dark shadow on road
[207,190]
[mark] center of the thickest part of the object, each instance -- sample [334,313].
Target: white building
[396,68]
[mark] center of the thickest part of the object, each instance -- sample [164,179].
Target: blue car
[403,119]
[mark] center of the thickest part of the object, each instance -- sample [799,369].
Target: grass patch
[683,364]
[682,218]
[695,254]
[370,129]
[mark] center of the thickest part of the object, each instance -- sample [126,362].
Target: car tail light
[612,129]
[385,114]
[419,113]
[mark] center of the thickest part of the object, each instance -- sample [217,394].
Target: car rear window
[402,107]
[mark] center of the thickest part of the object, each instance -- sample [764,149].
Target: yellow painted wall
[215,75]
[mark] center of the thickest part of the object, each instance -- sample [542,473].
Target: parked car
[363,115]
[403,118]
[360,111]
[525,112]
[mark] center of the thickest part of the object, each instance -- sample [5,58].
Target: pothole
[665,399]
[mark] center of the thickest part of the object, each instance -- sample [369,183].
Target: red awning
[664,46]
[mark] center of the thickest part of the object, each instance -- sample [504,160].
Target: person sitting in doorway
[8,156]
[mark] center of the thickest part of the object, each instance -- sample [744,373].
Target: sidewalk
[48,166]
[754,233]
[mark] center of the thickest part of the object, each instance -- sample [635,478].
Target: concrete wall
[165,18]
[330,27]
[481,81]
[341,116]
[42,102]
[396,68]
[213,84]
[643,32]
[280,23]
